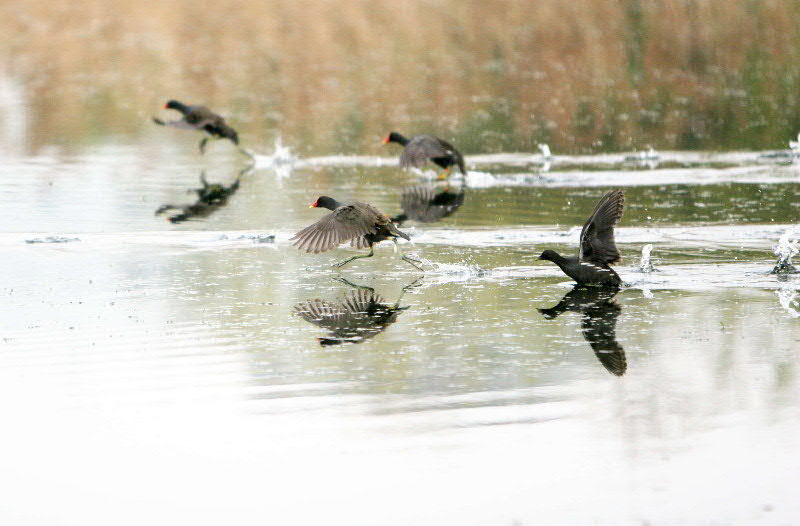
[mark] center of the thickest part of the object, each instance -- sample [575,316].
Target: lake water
[158,372]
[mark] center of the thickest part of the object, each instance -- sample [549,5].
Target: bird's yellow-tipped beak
[441,177]
[385,140]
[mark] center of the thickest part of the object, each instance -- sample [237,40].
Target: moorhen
[423,148]
[202,119]
[360,223]
[597,247]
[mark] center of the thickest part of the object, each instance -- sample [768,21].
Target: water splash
[794,146]
[646,263]
[789,300]
[282,159]
[787,247]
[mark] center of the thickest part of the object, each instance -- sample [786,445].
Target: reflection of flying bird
[210,198]
[425,204]
[200,118]
[361,314]
[598,322]
[423,148]
[597,247]
[360,223]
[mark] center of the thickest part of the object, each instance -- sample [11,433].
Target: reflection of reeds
[493,74]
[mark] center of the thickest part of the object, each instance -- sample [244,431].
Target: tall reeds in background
[494,75]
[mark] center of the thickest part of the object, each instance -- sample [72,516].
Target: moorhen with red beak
[202,119]
[360,223]
[423,148]
[597,247]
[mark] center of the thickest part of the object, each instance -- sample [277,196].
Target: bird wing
[341,225]
[421,148]
[200,116]
[597,236]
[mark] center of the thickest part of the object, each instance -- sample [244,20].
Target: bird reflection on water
[210,198]
[361,314]
[598,323]
[428,204]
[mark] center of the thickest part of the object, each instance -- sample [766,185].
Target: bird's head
[324,201]
[393,137]
[549,255]
[172,105]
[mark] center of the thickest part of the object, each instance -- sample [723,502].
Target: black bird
[598,322]
[210,198]
[423,203]
[360,223]
[597,247]
[202,119]
[423,148]
[361,314]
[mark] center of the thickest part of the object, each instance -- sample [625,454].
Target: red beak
[313,205]
[165,107]
[386,140]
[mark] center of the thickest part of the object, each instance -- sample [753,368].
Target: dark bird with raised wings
[420,149]
[361,224]
[202,119]
[597,247]
[427,204]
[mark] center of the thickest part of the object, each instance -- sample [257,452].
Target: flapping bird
[423,148]
[597,247]
[201,119]
[361,224]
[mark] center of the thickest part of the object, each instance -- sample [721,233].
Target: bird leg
[413,262]
[408,259]
[203,145]
[348,260]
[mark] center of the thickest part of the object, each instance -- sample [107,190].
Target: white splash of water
[795,147]
[545,149]
[646,263]
[788,246]
[282,159]
[789,300]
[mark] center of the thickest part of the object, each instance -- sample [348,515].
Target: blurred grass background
[335,76]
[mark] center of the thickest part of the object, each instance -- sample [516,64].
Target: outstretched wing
[597,236]
[199,116]
[343,224]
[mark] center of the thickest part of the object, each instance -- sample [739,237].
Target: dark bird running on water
[423,148]
[361,314]
[598,322]
[597,247]
[360,223]
[423,203]
[202,119]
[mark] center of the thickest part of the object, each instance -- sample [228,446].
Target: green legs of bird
[348,260]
